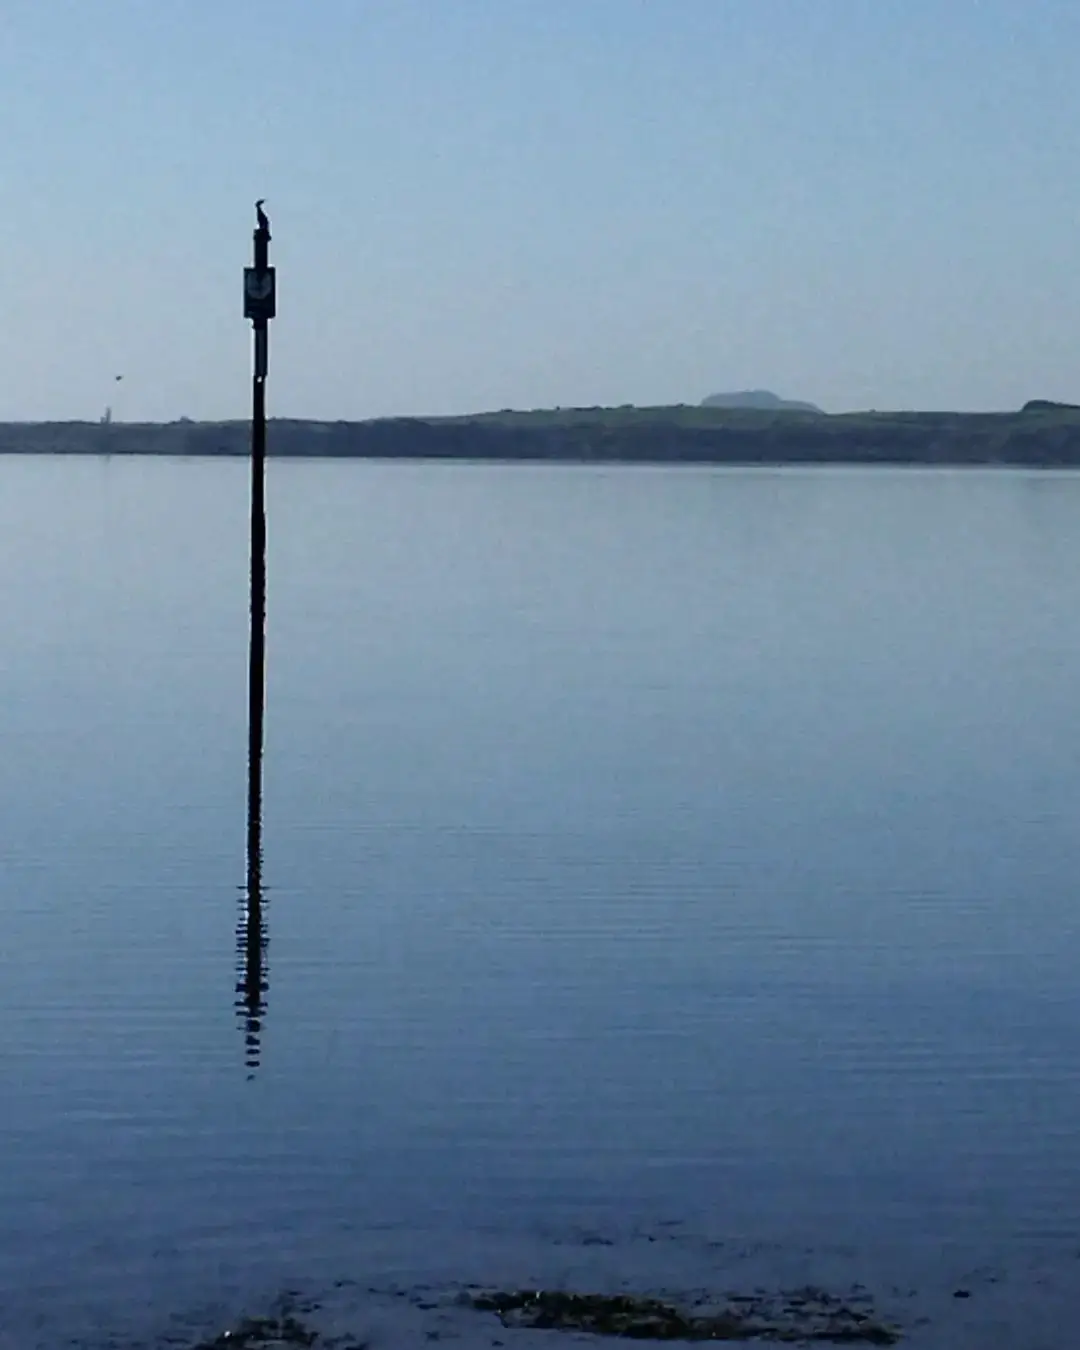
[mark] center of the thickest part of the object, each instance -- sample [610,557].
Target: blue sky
[494,203]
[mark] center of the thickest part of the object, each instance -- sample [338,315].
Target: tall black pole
[259,307]
[257,645]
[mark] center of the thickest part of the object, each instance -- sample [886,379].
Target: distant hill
[758,398]
[1048,405]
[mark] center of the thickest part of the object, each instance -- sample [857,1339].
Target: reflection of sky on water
[639,842]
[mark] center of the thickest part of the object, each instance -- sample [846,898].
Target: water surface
[640,845]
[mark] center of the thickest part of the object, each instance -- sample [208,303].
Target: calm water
[639,844]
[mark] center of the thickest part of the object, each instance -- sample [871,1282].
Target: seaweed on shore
[809,1315]
[283,1332]
[262,1333]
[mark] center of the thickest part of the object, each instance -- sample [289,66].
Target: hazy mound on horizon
[1049,405]
[758,398]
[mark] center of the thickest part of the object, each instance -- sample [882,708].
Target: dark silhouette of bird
[261,217]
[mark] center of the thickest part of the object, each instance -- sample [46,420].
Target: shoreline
[1035,438]
[403,1290]
[1048,466]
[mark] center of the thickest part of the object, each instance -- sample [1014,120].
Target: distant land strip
[1041,435]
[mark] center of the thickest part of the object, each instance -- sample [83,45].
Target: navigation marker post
[260,307]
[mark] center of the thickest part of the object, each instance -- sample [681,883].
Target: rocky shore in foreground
[391,1289]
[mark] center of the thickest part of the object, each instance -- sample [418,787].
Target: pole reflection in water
[252,982]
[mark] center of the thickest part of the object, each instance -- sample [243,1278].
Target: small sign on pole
[260,293]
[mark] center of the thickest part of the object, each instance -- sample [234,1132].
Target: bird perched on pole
[261,217]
